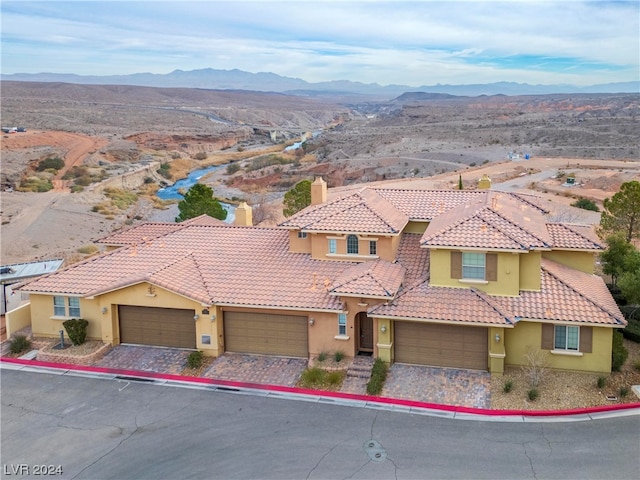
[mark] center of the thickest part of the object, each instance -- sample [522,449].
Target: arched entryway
[364,325]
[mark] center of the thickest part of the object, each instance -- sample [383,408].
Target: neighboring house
[465,279]
[10,275]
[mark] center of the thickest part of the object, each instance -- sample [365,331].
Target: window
[58,307]
[473,265]
[566,338]
[302,234]
[332,245]
[352,244]
[66,307]
[373,247]
[342,324]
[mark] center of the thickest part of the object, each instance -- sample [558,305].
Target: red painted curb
[320,393]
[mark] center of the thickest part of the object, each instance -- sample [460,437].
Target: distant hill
[210,78]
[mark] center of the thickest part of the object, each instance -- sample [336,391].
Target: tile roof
[362,212]
[377,278]
[414,258]
[151,230]
[574,237]
[210,264]
[566,295]
[492,222]
[444,304]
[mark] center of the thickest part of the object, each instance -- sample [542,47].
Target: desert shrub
[54,163]
[586,204]
[619,353]
[148,180]
[602,382]
[378,376]
[636,365]
[164,170]
[233,168]
[76,188]
[312,376]
[35,184]
[338,356]
[19,343]
[195,359]
[508,386]
[267,161]
[532,394]
[334,378]
[122,199]
[76,330]
[88,249]
[200,156]
[536,366]
[623,392]
[322,356]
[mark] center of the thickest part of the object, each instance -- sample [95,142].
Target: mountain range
[209,78]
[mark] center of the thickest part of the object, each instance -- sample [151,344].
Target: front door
[366,332]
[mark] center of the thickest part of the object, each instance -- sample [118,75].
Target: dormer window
[352,245]
[302,234]
[333,245]
[373,247]
[473,265]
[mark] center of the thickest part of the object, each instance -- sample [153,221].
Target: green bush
[334,378]
[508,385]
[76,330]
[195,359]
[632,330]
[233,168]
[636,365]
[623,392]
[322,356]
[619,353]
[312,376]
[338,356]
[378,376]
[533,394]
[19,343]
[54,163]
[602,381]
[586,204]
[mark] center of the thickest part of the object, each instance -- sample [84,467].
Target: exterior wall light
[497,337]
[196,316]
[383,328]
[213,318]
[104,310]
[312,320]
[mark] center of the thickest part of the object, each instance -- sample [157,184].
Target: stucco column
[385,342]
[496,350]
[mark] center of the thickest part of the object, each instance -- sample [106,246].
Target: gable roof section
[362,212]
[574,237]
[414,258]
[379,279]
[424,205]
[444,304]
[495,222]
[566,295]
[149,231]
[209,264]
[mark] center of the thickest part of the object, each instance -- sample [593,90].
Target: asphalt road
[98,429]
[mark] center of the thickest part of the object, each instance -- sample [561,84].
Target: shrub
[334,378]
[54,163]
[19,343]
[76,330]
[378,376]
[195,359]
[632,330]
[623,392]
[164,170]
[586,204]
[200,156]
[536,366]
[338,356]
[312,376]
[619,353]
[233,168]
[322,356]
[532,394]
[602,382]
[508,385]
[636,365]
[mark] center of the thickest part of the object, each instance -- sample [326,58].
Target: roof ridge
[568,285]
[383,220]
[460,221]
[521,227]
[522,197]
[511,237]
[486,298]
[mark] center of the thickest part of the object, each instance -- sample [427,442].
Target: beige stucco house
[465,279]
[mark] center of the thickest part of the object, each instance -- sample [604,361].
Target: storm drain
[375,451]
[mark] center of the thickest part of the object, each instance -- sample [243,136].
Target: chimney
[484,183]
[318,191]
[244,217]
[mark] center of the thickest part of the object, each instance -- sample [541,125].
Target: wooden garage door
[441,345]
[166,327]
[266,334]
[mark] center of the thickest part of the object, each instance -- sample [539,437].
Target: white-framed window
[302,234]
[66,306]
[352,244]
[332,245]
[342,324]
[473,265]
[373,247]
[566,338]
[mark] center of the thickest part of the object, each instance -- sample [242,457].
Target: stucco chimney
[318,191]
[244,215]
[484,183]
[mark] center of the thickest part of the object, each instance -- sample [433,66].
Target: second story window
[302,234]
[332,245]
[373,247]
[473,265]
[352,244]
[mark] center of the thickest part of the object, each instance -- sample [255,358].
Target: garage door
[166,327]
[266,334]
[441,345]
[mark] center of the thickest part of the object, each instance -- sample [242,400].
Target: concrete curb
[330,398]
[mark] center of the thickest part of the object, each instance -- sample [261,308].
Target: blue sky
[386,42]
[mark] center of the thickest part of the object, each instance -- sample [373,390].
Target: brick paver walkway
[148,359]
[261,369]
[447,386]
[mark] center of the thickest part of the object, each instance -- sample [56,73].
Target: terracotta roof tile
[574,237]
[377,278]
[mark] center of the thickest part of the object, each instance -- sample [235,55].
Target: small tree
[460,185]
[629,282]
[199,200]
[297,198]
[622,212]
[613,258]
